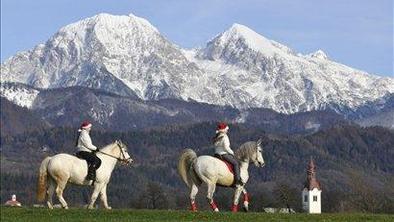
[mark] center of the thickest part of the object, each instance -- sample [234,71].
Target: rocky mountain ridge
[126,55]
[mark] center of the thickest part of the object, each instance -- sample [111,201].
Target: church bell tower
[311,194]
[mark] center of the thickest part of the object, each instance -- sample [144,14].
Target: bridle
[123,159]
[257,155]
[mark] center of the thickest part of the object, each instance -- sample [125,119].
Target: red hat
[86,124]
[222,126]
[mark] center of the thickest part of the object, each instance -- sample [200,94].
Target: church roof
[311,181]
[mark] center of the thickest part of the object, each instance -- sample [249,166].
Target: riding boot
[238,180]
[91,173]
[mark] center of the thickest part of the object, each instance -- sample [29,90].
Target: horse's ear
[259,142]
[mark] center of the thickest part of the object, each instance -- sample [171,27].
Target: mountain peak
[253,40]
[111,17]
[122,23]
[320,54]
[242,29]
[115,34]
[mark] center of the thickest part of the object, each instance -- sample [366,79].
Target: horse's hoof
[246,209]
[234,208]
[108,208]
[216,210]
[90,207]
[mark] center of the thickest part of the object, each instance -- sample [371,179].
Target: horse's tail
[185,167]
[42,180]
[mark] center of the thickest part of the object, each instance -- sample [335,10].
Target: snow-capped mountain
[126,55]
[121,54]
[265,73]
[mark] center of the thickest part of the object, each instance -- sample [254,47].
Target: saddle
[91,166]
[88,161]
[230,168]
[229,165]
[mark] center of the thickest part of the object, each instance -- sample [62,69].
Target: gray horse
[213,171]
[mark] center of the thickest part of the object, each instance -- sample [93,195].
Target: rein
[119,159]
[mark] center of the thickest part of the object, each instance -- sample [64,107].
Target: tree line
[343,154]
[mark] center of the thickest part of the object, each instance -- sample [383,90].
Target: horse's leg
[237,193]
[246,200]
[61,185]
[211,191]
[96,190]
[103,197]
[193,193]
[50,192]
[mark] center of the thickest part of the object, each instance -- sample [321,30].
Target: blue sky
[358,33]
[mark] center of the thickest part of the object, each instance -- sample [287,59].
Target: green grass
[42,215]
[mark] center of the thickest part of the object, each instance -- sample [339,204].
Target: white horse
[213,171]
[62,168]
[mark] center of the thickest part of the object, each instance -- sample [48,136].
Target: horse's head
[257,157]
[124,155]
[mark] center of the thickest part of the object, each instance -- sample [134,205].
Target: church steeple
[311,194]
[311,181]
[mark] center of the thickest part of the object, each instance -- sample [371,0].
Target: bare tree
[363,195]
[153,197]
[286,195]
[333,200]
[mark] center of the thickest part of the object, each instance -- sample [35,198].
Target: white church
[311,194]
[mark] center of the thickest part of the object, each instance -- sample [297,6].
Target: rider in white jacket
[84,141]
[223,150]
[86,150]
[222,144]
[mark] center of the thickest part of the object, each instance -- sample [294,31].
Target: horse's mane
[107,146]
[245,151]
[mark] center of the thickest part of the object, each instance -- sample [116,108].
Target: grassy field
[42,215]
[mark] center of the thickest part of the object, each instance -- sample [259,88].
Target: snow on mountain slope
[19,94]
[240,36]
[319,54]
[126,55]
[121,54]
[271,75]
